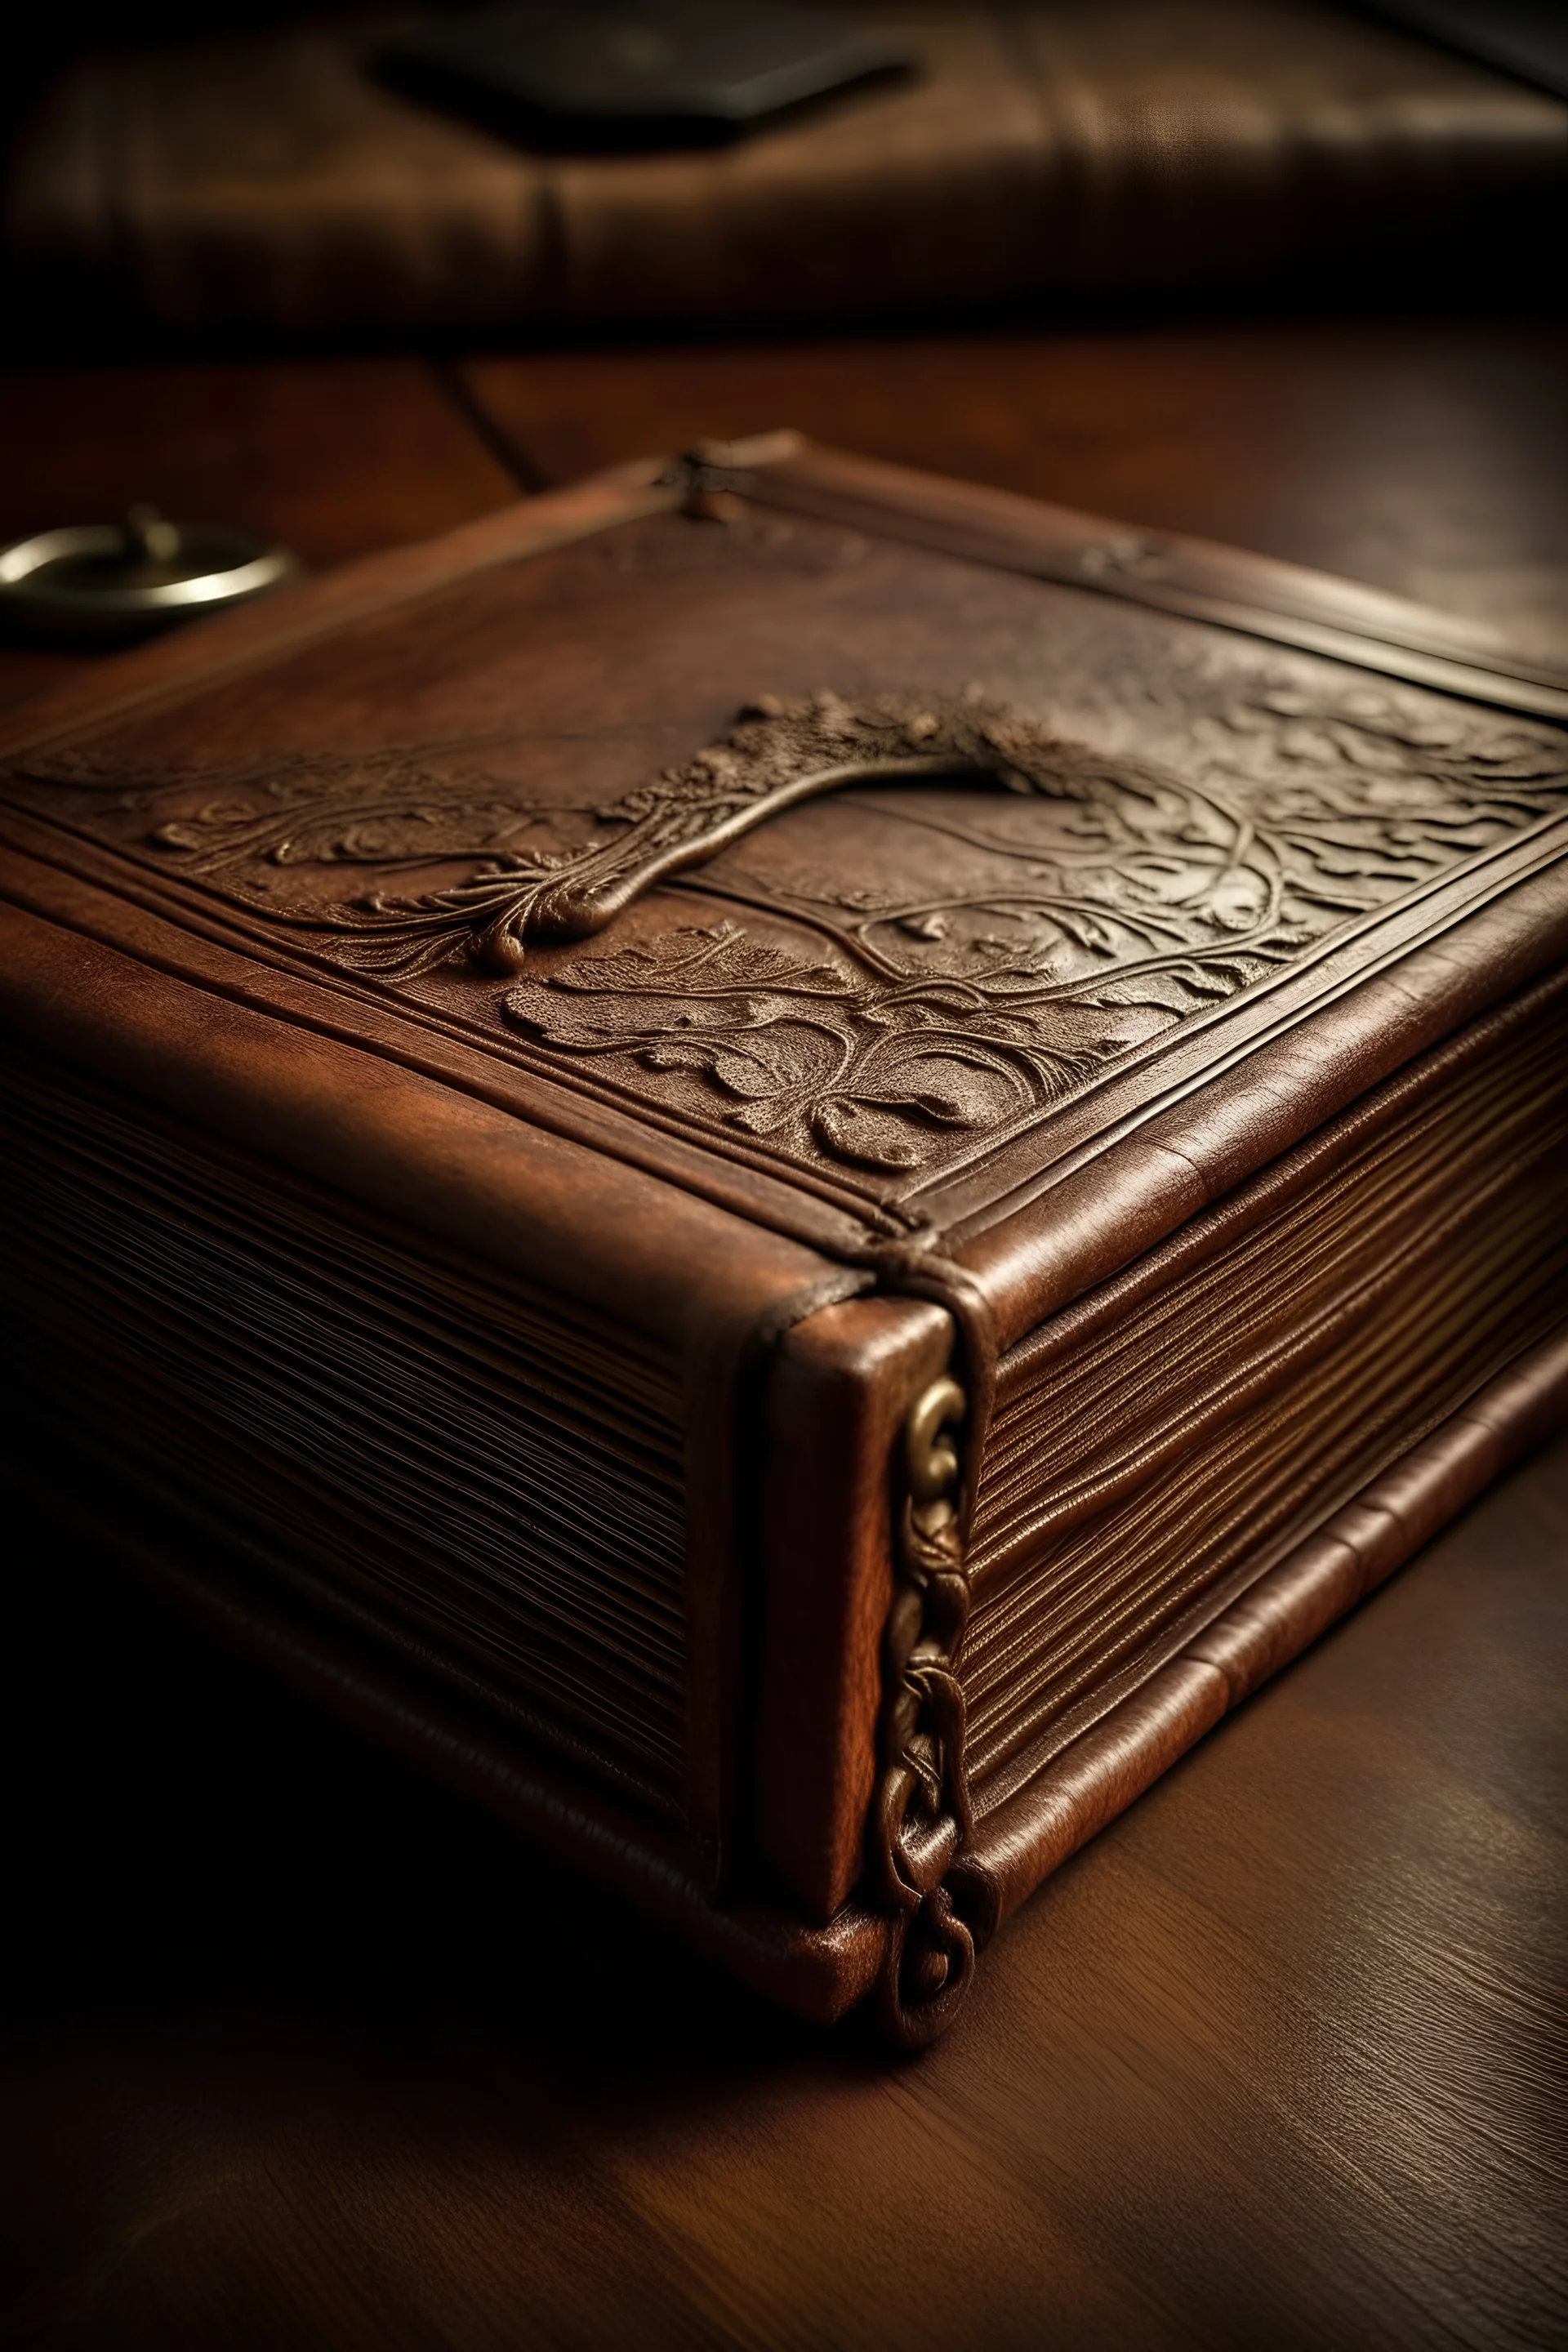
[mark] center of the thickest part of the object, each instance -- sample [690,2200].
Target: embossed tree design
[1146,896]
[960,1010]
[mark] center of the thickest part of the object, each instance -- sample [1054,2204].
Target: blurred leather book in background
[1053,151]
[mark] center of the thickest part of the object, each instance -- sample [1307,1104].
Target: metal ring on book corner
[110,580]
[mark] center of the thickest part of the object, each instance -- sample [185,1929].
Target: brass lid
[110,579]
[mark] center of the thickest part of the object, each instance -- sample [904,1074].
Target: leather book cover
[788,1163]
[266,178]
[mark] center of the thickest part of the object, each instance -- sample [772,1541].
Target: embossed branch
[950,1012]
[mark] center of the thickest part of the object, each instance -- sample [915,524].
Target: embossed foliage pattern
[1042,908]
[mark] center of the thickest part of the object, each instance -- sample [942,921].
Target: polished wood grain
[334,458]
[290,2059]
[1428,460]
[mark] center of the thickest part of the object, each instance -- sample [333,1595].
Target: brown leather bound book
[787,1164]
[267,178]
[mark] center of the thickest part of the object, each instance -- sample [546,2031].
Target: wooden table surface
[1277,2061]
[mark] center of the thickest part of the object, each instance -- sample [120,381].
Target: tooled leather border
[1170,571]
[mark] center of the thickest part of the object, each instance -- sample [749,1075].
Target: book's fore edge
[818,1972]
[822,1971]
[545,1207]
[1195,579]
[581,1224]
[235,1071]
[1033,1831]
